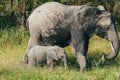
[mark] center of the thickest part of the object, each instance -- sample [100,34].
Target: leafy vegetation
[13,36]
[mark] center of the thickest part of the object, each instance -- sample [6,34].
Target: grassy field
[13,44]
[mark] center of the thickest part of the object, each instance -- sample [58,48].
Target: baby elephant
[40,54]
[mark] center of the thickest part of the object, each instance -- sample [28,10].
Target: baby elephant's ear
[53,54]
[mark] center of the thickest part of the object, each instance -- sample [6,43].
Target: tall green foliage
[13,37]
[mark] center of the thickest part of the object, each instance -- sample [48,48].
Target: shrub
[13,36]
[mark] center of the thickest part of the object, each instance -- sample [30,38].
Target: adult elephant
[56,24]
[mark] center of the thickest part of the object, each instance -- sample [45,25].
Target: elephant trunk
[115,50]
[114,42]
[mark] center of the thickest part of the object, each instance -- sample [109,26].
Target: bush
[13,36]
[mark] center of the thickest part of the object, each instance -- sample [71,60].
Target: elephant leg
[31,62]
[81,57]
[81,54]
[28,48]
[80,43]
[50,63]
[82,62]
[32,42]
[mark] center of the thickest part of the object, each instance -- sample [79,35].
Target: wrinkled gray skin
[41,54]
[56,24]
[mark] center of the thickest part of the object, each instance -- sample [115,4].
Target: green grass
[13,44]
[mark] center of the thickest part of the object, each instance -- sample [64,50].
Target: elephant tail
[25,61]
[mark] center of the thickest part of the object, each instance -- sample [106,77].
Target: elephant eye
[106,28]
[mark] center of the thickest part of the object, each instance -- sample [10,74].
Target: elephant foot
[81,60]
[81,69]
[50,67]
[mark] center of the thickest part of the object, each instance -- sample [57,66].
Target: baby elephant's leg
[50,63]
[31,63]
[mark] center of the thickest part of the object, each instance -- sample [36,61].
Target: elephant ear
[52,53]
[59,52]
[87,12]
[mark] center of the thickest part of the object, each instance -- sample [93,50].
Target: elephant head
[97,20]
[106,28]
[52,53]
[56,52]
[62,56]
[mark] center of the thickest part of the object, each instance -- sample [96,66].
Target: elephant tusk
[112,46]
